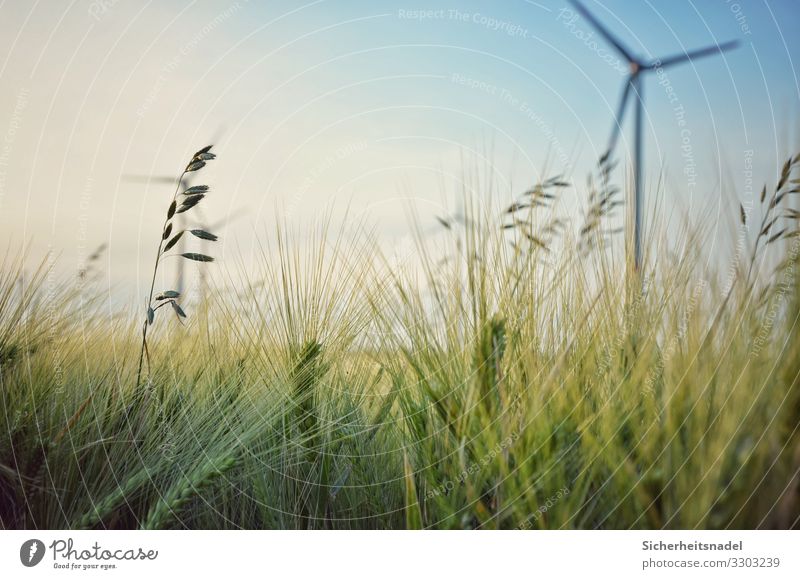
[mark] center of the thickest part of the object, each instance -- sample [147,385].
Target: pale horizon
[324,107]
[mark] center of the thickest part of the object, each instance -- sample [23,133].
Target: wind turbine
[202,222]
[634,82]
[184,183]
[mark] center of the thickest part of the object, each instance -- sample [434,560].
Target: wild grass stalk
[168,239]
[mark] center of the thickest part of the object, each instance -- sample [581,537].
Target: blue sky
[368,105]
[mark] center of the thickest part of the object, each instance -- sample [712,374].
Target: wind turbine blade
[230,218]
[150,179]
[218,134]
[626,93]
[602,30]
[693,55]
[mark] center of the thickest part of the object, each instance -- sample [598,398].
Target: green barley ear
[412,505]
[169,506]
[488,359]
[307,372]
[111,502]
[376,424]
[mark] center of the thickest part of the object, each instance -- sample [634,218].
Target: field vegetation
[523,378]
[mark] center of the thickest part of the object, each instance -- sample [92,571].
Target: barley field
[518,380]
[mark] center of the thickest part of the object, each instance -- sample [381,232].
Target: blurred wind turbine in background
[634,84]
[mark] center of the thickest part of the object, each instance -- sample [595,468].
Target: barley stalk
[169,506]
[112,501]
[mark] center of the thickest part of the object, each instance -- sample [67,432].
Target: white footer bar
[355,554]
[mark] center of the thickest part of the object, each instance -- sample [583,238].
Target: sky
[374,110]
